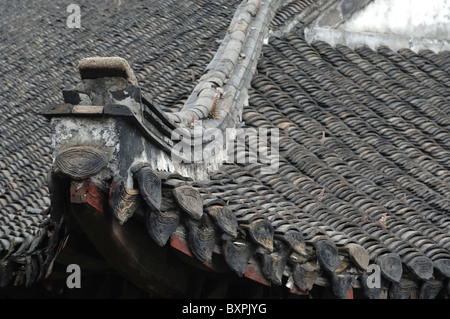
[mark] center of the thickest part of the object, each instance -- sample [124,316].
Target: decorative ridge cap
[222,89]
[97,67]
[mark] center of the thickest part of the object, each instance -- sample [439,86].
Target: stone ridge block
[235,60]
[96,67]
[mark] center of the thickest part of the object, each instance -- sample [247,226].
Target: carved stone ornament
[391,266]
[161,225]
[202,239]
[443,266]
[341,284]
[81,162]
[430,289]
[421,266]
[189,200]
[225,219]
[273,267]
[149,185]
[237,253]
[305,275]
[261,231]
[358,255]
[296,242]
[402,289]
[123,201]
[327,254]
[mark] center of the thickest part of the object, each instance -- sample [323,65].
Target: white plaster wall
[413,24]
[410,18]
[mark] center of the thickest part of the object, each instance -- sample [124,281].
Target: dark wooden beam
[129,248]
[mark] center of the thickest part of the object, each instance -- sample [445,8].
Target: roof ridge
[223,87]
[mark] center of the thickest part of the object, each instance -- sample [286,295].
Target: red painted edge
[86,192]
[414,294]
[350,293]
[254,274]
[296,291]
[179,244]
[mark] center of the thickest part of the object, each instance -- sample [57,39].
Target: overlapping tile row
[298,13]
[364,149]
[169,44]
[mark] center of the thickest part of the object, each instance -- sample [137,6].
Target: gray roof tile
[363,138]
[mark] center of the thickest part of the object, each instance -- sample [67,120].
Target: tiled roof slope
[168,44]
[363,140]
[364,148]
[364,143]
